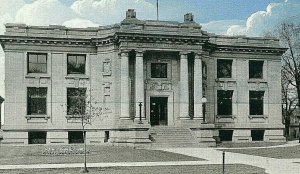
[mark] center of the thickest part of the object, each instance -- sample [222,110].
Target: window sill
[37,75]
[225,80]
[225,116]
[258,116]
[253,80]
[46,117]
[77,76]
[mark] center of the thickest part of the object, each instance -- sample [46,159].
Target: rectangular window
[257,135]
[256,69]
[36,101]
[224,99]
[224,68]
[37,63]
[76,102]
[75,137]
[256,101]
[159,70]
[37,137]
[76,64]
[225,135]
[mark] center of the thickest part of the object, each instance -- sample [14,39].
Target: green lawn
[32,154]
[278,152]
[250,144]
[203,169]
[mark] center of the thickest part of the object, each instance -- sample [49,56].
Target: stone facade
[170,67]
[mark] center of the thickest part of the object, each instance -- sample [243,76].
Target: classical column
[139,85]
[198,87]
[125,97]
[184,87]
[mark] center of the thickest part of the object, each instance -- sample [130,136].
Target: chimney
[189,17]
[130,14]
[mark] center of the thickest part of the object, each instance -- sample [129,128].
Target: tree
[289,35]
[80,106]
[289,101]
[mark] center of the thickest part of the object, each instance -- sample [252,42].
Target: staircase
[165,136]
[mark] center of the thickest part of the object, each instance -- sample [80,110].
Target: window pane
[256,69]
[37,63]
[76,101]
[32,58]
[76,64]
[256,102]
[159,70]
[42,58]
[36,101]
[224,100]
[224,68]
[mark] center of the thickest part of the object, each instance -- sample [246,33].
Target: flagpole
[156,9]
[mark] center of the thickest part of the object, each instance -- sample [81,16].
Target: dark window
[36,101]
[256,69]
[76,64]
[225,135]
[75,137]
[38,137]
[106,138]
[256,100]
[37,63]
[224,102]
[224,68]
[76,101]
[257,135]
[159,70]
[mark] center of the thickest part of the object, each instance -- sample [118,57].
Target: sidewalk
[272,165]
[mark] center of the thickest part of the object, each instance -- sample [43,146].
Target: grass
[278,152]
[203,169]
[250,144]
[32,154]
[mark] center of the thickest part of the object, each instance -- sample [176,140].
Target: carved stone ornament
[107,67]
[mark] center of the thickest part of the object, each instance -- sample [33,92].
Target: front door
[158,111]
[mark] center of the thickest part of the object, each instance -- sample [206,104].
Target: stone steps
[163,136]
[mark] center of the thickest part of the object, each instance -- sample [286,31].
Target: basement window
[257,135]
[37,137]
[225,135]
[75,137]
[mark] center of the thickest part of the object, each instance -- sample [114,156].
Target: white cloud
[265,21]
[79,23]
[221,26]
[112,11]
[10,7]
[44,12]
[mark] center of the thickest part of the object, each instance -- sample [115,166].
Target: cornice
[213,48]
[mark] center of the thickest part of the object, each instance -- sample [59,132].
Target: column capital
[183,53]
[123,53]
[139,53]
[198,55]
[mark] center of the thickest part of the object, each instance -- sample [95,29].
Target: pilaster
[139,85]
[198,87]
[184,87]
[125,97]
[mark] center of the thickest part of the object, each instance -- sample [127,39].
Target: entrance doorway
[158,111]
